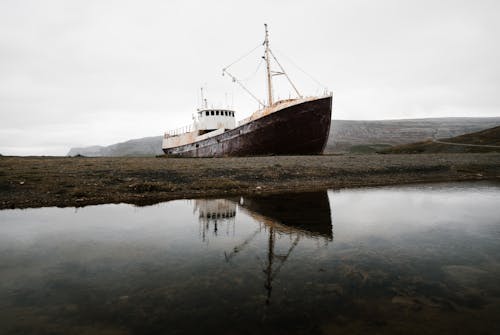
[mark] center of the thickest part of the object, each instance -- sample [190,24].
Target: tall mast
[269,83]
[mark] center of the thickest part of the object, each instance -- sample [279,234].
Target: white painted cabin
[207,123]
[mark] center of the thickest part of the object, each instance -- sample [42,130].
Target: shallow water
[419,259]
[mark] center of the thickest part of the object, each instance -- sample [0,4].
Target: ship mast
[268,66]
[269,74]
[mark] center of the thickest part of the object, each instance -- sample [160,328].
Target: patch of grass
[79,194]
[33,178]
[368,148]
[145,187]
[4,186]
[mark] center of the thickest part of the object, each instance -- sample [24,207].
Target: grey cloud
[97,72]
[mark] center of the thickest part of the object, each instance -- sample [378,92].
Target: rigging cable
[253,74]
[245,55]
[225,71]
[303,71]
[286,75]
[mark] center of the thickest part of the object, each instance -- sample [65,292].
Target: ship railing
[181,130]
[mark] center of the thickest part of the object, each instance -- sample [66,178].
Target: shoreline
[32,182]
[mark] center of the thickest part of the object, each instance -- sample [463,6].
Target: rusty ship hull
[300,129]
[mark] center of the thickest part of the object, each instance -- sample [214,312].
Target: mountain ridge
[487,140]
[345,135]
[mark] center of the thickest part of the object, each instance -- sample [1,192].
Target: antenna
[204,103]
[202,97]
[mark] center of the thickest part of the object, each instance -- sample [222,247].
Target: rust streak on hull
[300,129]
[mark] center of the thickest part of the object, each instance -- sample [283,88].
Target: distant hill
[345,136]
[487,140]
[147,146]
[365,136]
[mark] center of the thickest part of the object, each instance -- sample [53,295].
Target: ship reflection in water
[282,215]
[402,260]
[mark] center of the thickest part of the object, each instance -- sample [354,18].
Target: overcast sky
[79,73]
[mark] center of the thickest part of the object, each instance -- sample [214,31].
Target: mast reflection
[301,215]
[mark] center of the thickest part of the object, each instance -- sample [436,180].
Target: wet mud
[27,182]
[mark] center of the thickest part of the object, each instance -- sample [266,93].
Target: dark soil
[51,181]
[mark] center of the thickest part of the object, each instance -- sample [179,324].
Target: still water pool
[407,260]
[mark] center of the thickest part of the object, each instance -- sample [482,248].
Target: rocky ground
[51,181]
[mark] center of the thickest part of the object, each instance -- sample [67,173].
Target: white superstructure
[208,122]
[211,119]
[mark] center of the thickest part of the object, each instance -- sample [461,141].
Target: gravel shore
[79,181]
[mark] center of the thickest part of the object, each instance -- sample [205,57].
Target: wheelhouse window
[207,113]
[216,112]
[212,113]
